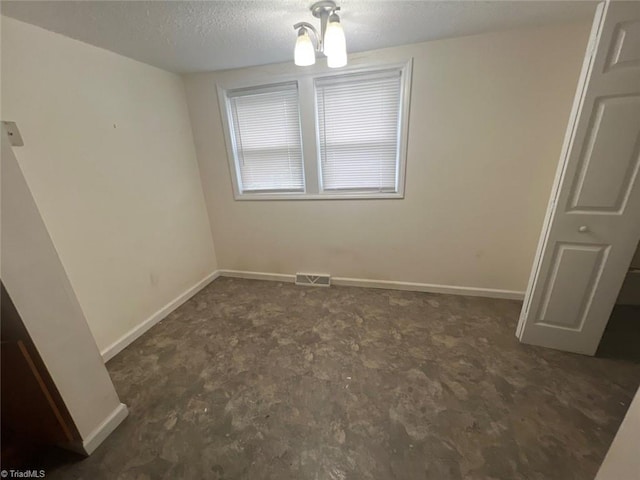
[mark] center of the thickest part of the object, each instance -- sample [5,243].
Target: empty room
[336,240]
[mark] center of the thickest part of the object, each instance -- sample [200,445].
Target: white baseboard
[386,284]
[277,277]
[120,344]
[429,287]
[102,431]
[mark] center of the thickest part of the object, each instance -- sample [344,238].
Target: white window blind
[359,130]
[265,129]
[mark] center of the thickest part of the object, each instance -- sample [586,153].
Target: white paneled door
[593,221]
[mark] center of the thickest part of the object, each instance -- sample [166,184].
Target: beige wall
[38,286]
[488,115]
[109,158]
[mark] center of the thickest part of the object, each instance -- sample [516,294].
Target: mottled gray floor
[265,380]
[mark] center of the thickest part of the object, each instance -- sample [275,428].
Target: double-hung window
[358,124]
[267,149]
[319,136]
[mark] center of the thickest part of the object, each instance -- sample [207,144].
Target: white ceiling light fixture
[330,41]
[304,53]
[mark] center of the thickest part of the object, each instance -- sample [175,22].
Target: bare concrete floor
[265,380]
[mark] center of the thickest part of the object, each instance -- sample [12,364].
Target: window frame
[308,112]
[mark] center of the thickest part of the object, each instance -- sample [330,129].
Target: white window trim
[308,116]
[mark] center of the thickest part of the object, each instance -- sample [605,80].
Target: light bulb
[334,41]
[304,53]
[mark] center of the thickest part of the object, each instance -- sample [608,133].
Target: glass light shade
[337,61]
[304,53]
[335,43]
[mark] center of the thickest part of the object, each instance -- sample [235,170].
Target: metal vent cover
[313,279]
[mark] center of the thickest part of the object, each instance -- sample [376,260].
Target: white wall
[110,161]
[38,286]
[488,115]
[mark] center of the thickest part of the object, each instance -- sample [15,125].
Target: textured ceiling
[186,36]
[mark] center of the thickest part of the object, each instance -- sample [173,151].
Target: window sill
[318,196]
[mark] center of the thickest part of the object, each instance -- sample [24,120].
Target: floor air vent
[313,279]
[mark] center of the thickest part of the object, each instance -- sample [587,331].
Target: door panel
[575,271]
[624,51]
[592,225]
[602,185]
